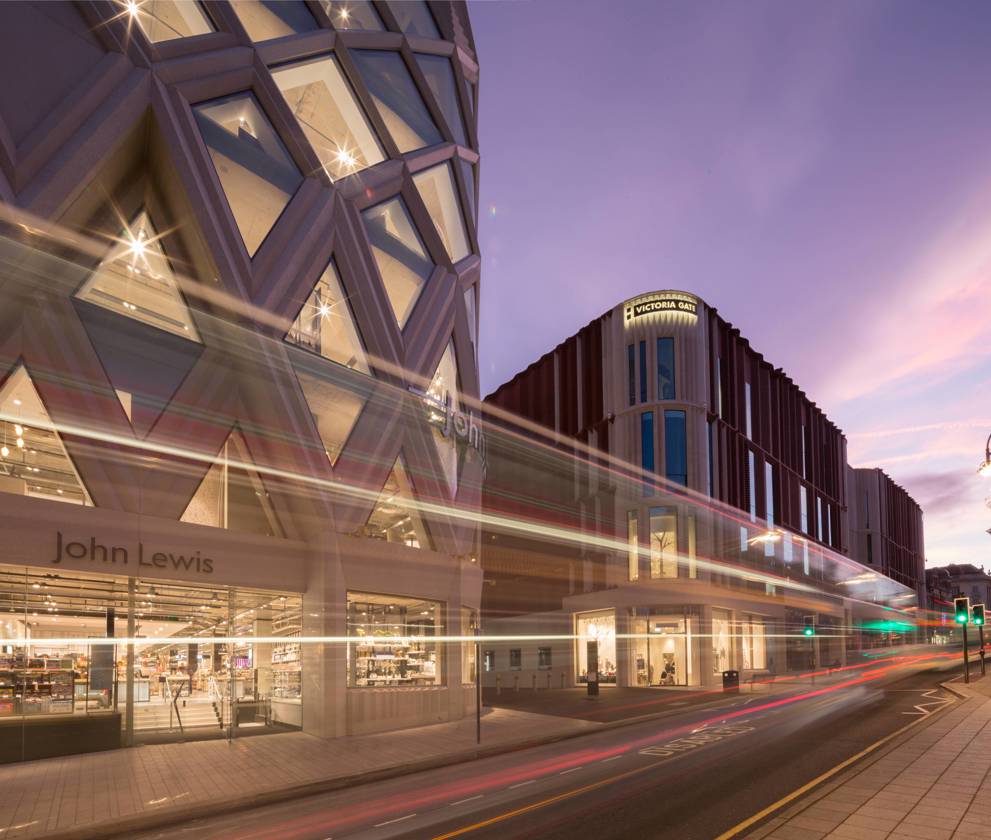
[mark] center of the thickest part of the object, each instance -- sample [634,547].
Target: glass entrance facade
[665,650]
[203,660]
[600,627]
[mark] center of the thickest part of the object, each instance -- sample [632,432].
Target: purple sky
[819,172]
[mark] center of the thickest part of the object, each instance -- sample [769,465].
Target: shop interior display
[395,641]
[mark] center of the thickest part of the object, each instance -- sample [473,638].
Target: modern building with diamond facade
[238,324]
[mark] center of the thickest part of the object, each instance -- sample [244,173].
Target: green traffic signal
[810,626]
[808,631]
[977,616]
[961,606]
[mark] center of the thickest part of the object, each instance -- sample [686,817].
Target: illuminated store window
[722,641]
[692,537]
[443,390]
[33,461]
[136,279]
[469,623]
[754,644]
[266,19]
[395,517]
[600,627]
[232,494]
[325,324]
[399,253]
[329,114]
[165,20]
[399,103]
[352,14]
[675,447]
[663,543]
[414,18]
[334,404]
[256,172]
[633,544]
[440,194]
[392,641]
[440,77]
[665,369]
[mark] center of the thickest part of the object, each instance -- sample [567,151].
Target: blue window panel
[665,369]
[676,447]
[647,447]
[632,364]
[643,371]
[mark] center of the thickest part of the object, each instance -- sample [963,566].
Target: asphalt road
[689,776]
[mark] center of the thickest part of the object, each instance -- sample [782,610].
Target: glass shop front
[68,685]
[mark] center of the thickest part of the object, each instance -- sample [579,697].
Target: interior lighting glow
[132,8]
[4,451]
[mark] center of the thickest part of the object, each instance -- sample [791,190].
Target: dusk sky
[818,172]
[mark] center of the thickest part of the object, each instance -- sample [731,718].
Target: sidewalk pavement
[92,795]
[934,784]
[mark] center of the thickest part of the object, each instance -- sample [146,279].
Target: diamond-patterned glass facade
[440,195]
[437,71]
[267,19]
[165,20]
[444,391]
[395,517]
[352,14]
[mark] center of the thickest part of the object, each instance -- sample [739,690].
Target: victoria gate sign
[660,303]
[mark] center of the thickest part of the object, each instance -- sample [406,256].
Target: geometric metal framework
[289,196]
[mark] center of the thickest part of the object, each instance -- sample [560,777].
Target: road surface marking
[397,819]
[923,708]
[610,759]
[469,799]
[521,784]
[572,770]
[818,780]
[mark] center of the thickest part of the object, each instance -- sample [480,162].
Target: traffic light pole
[966,660]
[983,668]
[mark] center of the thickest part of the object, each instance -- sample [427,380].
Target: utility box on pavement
[731,681]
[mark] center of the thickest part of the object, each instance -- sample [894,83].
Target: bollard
[498,684]
[562,679]
[534,682]
[516,682]
[548,680]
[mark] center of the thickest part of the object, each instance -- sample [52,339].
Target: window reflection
[663,543]
[401,258]
[256,172]
[394,641]
[266,19]
[439,193]
[165,20]
[352,14]
[399,102]
[328,112]
[444,390]
[334,404]
[395,517]
[440,77]
[414,18]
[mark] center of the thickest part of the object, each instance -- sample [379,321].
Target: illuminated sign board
[660,303]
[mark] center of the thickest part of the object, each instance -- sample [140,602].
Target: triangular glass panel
[442,392]
[471,311]
[327,110]
[399,253]
[440,77]
[468,175]
[335,399]
[267,19]
[258,176]
[352,14]
[325,325]
[232,494]
[136,279]
[399,102]
[439,193]
[33,460]
[395,517]
[166,20]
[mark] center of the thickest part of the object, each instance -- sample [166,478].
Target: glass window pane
[136,279]
[647,441]
[164,20]
[443,390]
[440,77]
[399,103]
[394,641]
[395,517]
[352,14]
[401,258]
[601,627]
[33,461]
[329,114]
[631,365]
[633,544]
[643,371]
[414,18]
[665,369]
[334,404]
[676,447]
[255,170]
[471,312]
[439,193]
[663,543]
[326,325]
[265,19]
[748,416]
[468,176]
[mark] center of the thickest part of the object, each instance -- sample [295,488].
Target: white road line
[469,799]
[572,770]
[521,784]
[390,822]
[611,759]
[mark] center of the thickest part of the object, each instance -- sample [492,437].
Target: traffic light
[977,615]
[961,608]
[810,626]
